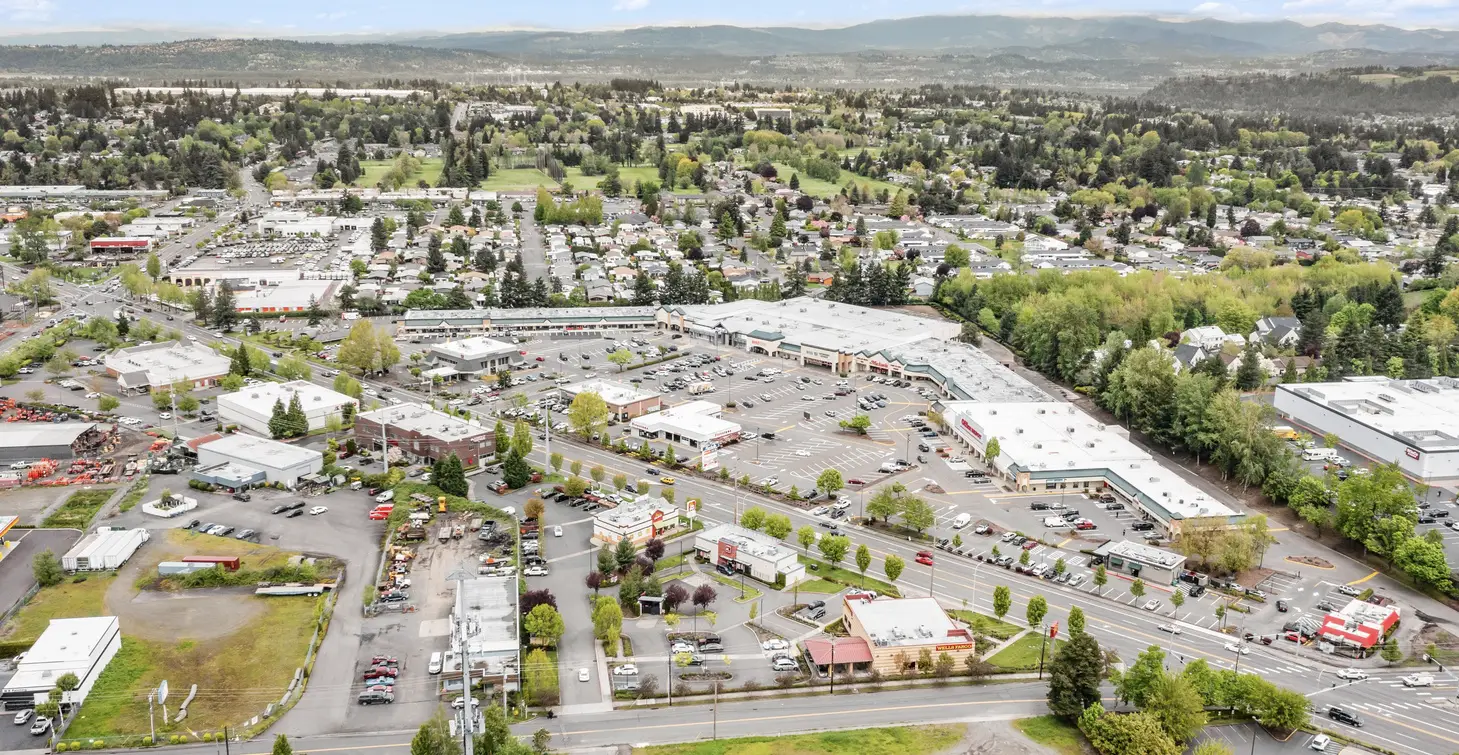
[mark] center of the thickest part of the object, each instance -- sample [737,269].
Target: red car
[540,359]
[380,671]
[385,660]
[379,515]
[924,558]
[1030,545]
[855,481]
[1084,526]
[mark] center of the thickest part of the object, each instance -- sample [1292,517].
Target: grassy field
[818,188]
[79,509]
[68,600]
[1023,654]
[847,577]
[819,585]
[518,179]
[901,740]
[1054,733]
[987,625]
[733,585]
[237,675]
[251,555]
[371,171]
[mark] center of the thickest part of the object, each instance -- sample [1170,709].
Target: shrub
[60,747]
[97,744]
[146,741]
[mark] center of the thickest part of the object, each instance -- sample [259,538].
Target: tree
[830,481]
[1101,577]
[607,620]
[1137,588]
[1390,652]
[1129,734]
[806,535]
[515,471]
[1076,621]
[1134,685]
[778,526]
[1038,607]
[1177,599]
[624,554]
[1249,375]
[588,414]
[47,568]
[918,514]
[704,596]
[892,566]
[885,503]
[434,736]
[992,450]
[858,424]
[834,548]
[544,623]
[1002,601]
[863,561]
[108,403]
[1074,676]
[753,518]
[1176,705]
[622,358]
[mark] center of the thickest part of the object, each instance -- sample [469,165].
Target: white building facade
[253,406]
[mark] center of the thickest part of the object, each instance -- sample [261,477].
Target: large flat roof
[66,646]
[1053,440]
[697,418]
[260,398]
[250,449]
[905,621]
[489,607]
[613,393]
[475,347]
[41,434]
[817,323]
[169,362]
[967,372]
[1421,413]
[542,314]
[419,418]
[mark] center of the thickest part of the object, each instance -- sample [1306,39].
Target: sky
[262,17]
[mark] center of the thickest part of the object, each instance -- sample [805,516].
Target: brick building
[425,434]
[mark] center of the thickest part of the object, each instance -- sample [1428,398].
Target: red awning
[848,650]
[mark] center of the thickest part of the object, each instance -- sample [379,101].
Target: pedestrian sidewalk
[883,686]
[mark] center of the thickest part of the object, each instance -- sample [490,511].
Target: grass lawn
[251,555]
[1054,733]
[68,600]
[750,592]
[79,509]
[825,571]
[819,585]
[668,563]
[1023,654]
[371,171]
[257,661]
[519,179]
[901,740]
[987,625]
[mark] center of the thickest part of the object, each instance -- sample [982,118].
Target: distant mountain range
[1109,37]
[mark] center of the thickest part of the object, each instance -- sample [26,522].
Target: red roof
[848,650]
[209,438]
[1359,624]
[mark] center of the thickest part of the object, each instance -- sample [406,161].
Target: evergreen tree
[643,290]
[225,308]
[1249,375]
[1074,675]
[449,475]
[278,423]
[298,421]
[240,365]
[316,315]
[378,238]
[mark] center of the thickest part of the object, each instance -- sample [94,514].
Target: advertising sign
[709,459]
[1412,452]
[728,551]
[970,429]
[956,646]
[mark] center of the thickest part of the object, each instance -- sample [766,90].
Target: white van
[435,664]
[962,521]
[1319,454]
[1055,521]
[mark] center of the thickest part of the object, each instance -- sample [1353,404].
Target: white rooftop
[1420,413]
[636,512]
[613,393]
[904,621]
[169,362]
[817,323]
[489,607]
[260,398]
[250,449]
[752,542]
[1145,554]
[419,418]
[67,646]
[694,418]
[475,347]
[1054,440]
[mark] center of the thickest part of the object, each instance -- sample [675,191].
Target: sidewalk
[824,689]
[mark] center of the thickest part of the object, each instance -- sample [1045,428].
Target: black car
[193,524]
[1142,526]
[1441,514]
[295,512]
[1282,606]
[1115,507]
[279,508]
[1342,715]
[1325,606]
[1426,520]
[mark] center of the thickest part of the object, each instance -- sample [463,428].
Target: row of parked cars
[222,530]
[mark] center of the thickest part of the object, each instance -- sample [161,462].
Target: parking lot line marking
[1066,542]
[1364,579]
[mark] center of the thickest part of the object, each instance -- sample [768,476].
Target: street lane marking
[1364,579]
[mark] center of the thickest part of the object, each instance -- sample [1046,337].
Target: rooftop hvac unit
[1069,429]
[1090,444]
[1043,411]
[1038,445]
[1154,479]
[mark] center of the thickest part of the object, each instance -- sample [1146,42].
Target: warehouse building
[161,365]
[894,632]
[477,355]
[694,424]
[638,521]
[103,550]
[30,441]
[568,320]
[749,552]
[1414,423]
[82,647]
[1154,565]
[1052,446]
[252,407]
[280,296]
[425,434]
[625,400]
[280,463]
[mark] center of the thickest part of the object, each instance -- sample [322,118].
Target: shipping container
[169,568]
[231,563]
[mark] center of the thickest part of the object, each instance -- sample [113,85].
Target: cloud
[335,16]
[630,5]
[26,10]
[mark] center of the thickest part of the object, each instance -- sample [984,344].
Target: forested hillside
[1335,93]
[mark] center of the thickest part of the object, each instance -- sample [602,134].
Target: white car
[23,716]
[41,726]
[775,644]
[192,338]
[1152,605]
[802,452]
[583,674]
[1352,674]
[557,530]
[165,415]
[680,647]
[820,511]
[1418,680]
[1171,628]
[93,394]
[770,482]
[1243,649]
[460,703]
[627,669]
[317,510]
[535,571]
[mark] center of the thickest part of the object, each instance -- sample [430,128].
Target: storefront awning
[847,650]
